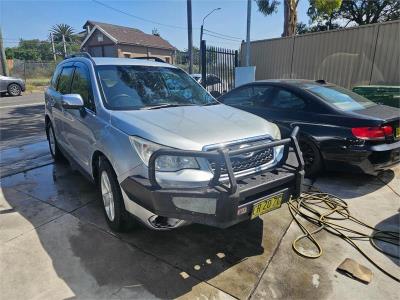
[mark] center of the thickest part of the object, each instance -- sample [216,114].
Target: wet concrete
[290,276]
[214,256]
[55,244]
[24,156]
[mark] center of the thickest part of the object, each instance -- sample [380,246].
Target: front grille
[239,163]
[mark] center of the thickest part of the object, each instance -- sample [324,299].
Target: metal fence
[32,69]
[218,67]
[356,56]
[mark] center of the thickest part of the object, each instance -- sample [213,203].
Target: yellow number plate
[267,205]
[398,132]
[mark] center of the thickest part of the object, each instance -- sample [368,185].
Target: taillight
[372,133]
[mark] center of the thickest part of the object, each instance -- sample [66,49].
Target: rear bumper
[366,159]
[220,204]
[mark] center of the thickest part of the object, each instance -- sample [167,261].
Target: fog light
[200,205]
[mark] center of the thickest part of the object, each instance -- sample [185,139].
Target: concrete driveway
[54,243]
[22,118]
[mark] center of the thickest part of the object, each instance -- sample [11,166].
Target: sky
[33,19]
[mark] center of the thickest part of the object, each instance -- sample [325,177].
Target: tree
[60,30]
[268,7]
[34,50]
[360,12]
[323,12]
[302,28]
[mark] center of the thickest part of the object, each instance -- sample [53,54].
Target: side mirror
[72,101]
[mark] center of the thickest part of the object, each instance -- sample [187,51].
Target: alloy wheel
[14,89]
[107,195]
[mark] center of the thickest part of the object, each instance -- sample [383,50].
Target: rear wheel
[53,145]
[312,158]
[14,89]
[113,203]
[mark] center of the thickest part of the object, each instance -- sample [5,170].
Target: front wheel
[116,216]
[14,89]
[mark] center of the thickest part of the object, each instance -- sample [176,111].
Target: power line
[224,35]
[139,18]
[223,38]
[222,42]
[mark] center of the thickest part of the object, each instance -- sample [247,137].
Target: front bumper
[369,159]
[219,204]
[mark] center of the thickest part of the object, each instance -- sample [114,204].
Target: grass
[37,84]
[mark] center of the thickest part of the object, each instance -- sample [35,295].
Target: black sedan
[340,130]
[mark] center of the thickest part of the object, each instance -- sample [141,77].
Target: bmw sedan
[340,130]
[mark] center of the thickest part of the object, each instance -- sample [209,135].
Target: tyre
[117,217]
[14,89]
[53,145]
[312,158]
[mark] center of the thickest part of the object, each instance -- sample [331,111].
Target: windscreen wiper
[164,105]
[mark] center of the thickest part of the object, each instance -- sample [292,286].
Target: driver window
[240,97]
[81,85]
[286,100]
[251,96]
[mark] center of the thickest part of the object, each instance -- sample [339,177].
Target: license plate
[398,132]
[266,205]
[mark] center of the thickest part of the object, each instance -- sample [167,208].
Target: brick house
[118,41]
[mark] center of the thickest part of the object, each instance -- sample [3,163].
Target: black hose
[326,211]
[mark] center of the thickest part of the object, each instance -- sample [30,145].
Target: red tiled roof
[132,36]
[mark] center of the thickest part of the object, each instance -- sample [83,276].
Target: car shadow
[137,264]
[22,122]
[391,224]
[352,185]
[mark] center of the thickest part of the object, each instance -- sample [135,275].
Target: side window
[64,82]
[262,95]
[287,100]
[81,85]
[241,97]
[252,96]
[54,79]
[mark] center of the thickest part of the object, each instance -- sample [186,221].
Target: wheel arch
[97,154]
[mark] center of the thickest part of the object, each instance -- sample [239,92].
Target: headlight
[276,133]
[164,163]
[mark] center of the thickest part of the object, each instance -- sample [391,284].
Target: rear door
[80,125]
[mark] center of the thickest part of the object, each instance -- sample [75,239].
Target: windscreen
[340,98]
[141,87]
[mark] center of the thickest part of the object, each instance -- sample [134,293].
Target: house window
[167,59]
[100,37]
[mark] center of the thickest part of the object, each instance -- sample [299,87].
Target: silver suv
[162,149]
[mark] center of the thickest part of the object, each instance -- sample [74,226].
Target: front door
[81,124]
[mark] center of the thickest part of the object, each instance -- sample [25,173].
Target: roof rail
[155,58]
[80,54]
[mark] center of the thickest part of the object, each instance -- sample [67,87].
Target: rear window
[340,98]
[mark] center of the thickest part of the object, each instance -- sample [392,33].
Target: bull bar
[238,196]
[223,155]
